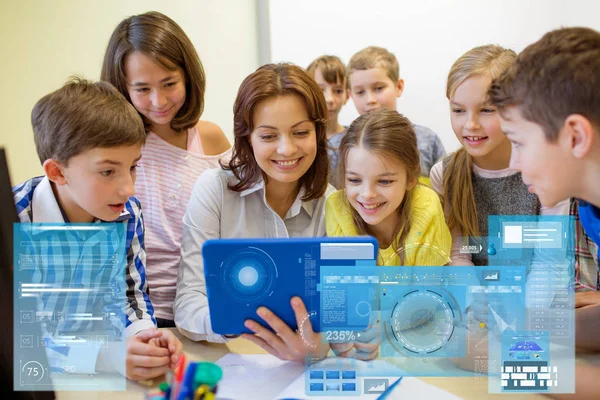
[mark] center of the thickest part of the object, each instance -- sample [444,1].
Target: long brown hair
[489,60]
[272,80]
[160,38]
[391,135]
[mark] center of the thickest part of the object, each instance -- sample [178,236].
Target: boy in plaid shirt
[549,105]
[89,140]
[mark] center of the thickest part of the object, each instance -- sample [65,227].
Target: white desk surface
[464,387]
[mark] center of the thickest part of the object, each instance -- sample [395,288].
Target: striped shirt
[164,184]
[35,203]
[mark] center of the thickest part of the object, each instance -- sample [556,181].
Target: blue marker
[186,391]
[389,390]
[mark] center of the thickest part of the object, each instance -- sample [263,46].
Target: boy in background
[330,74]
[374,81]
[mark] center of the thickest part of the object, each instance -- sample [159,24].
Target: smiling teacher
[275,186]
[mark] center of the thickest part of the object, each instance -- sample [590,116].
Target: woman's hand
[284,343]
[367,348]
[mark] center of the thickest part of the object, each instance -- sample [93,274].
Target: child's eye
[354,180]
[359,92]
[141,90]
[515,144]
[488,110]
[108,172]
[386,182]
[169,84]
[457,111]
[339,91]
[379,88]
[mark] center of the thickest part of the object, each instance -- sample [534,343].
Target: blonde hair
[388,134]
[373,57]
[489,60]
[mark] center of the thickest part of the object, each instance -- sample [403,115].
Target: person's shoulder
[23,197]
[437,169]
[335,140]
[213,138]
[423,130]
[217,174]
[334,197]
[215,180]
[425,199]
[26,188]
[330,191]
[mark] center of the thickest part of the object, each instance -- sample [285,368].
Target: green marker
[163,387]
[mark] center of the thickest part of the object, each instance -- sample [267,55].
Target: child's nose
[368,192]
[371,98]
[472,124]
[158,99]
[328,96]
[127,189]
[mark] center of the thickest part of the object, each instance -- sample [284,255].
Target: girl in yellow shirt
[379,163]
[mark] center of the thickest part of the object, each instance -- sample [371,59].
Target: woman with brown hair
[275,186]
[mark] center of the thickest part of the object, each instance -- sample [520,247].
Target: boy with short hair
[330,74]
[374,81]
[549,105]
[89,140]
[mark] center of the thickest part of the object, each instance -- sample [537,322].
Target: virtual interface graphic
[69,306]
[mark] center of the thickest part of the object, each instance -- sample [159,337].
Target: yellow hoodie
[428,242]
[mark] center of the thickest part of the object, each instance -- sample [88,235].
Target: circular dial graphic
[302,329]
[31,372]
[249,275]
[422,322]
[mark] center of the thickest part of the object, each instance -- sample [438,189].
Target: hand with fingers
[365,347]
[169,341]
[151,353]
[285,343]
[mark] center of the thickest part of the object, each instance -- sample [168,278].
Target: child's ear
[54,171]
[399,87]
[579,135]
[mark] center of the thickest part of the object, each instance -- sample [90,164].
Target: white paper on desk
[255,376]
[409,388]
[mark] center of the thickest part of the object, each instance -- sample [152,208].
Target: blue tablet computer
[244,274]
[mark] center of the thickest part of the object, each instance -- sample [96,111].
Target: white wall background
[44,42]
[426,36]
